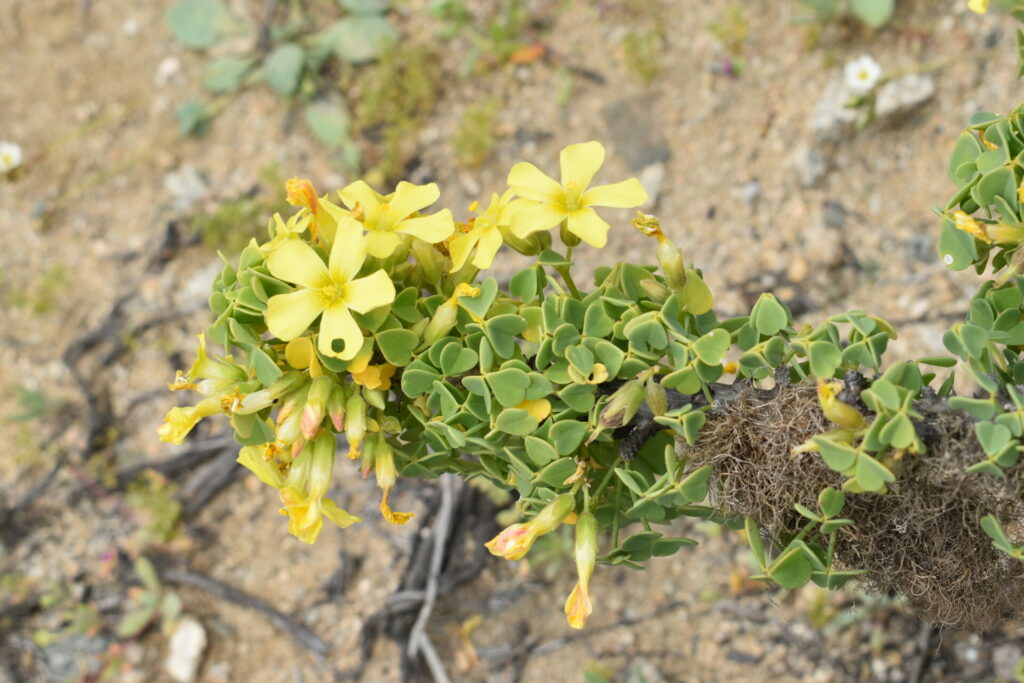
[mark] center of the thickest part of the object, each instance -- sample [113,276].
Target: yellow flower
[514,542]
[551,202]
[304,489]
[835,410]
[578,606]
[538,408]
[979,6]
[484,233]
[300,354]
[280,232]
[331,289]
[179,421]
[387,475]
[375,376]
[266,470]
[385,218]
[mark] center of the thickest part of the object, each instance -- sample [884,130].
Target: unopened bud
[375,397]
[578,607]
[443,321]
[431,262]
[366,457]
[656,397]
[316,405]
[671,260]
[623,405]
[658,292]
[336,407]
[515,541]
[355,422]
[298,473]
[322,466]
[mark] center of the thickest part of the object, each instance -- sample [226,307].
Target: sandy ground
[90,94]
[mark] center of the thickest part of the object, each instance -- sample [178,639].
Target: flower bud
[336,406]
[671,260]
[623,405]
[366,457]
[316,405]
[289,430]
[835,410]
[298,473]
[515,541]
[387,475]
[656,397]
[431,262]
[322,465]
[375,397]
[530,245]
[443,321]
[355,423]
[658,292]
[578,606]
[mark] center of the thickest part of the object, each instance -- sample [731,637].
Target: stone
[636,135]
[653,179]
[185,650]
[900,97]
[643,671]
[810,165]
[1004,661]
[831,119]
[186,186]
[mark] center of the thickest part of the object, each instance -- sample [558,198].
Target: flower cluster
[349,296]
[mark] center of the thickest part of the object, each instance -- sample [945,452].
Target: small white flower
[862,74]
[10,156]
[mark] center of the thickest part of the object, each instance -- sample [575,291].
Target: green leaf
[193,118]
[1001,182]
[956,247]
[358,39]
[696,297]
[694,488]
[147,574]
[418,378]
[967,149]
[874,13]
[992,437]
[685,381]
[329,121]
[711,348]
[197,24]
[509,386]
[898,431]
[397,345]
[978,408]
[692,422]
[871,474]
[995,531]
[516,421]
[633,481]
[567,435]
[557,472]
[540,451]
[225,75]
[283,68]
[365,6]
[501,331]
[456,360]
[479,305]
[768,315]
[825,358]
[523,285]
[838,456]
[754,540]
[831,502]
[791,569]
[263,366]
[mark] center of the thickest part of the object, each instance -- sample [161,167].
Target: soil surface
[104,280]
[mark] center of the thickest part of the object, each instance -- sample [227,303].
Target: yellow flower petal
[589,227]
[295,261]
[979,6]
[370,292]
[348,253]
[381,244]
[338,323]
[360,192]
[389,514]
[289,315]
[487,248]
[536,218]
[579,163]
[578,607]
[268,473]
[337,515]
[408,199]
[460,247]
[299,352]
[432,228]
[623,195]
[538,408]
[530,182]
